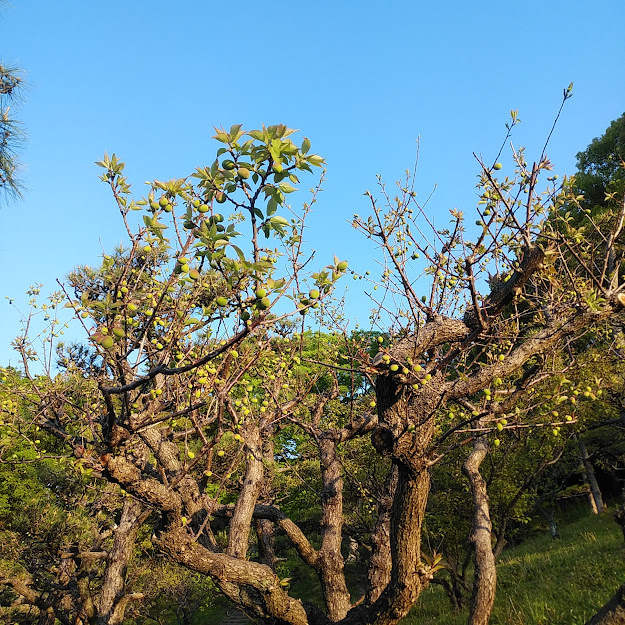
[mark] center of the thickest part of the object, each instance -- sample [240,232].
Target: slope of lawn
[545,581]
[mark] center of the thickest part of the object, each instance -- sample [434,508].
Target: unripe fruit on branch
[264,303]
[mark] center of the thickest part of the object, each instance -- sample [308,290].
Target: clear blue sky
[362,80]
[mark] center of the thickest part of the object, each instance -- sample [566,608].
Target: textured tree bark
[238,537]
[408,577]
[485,579]
[405,430]
[407,400]
[379,573]
[265,535]
[330,562]
[265,530]
[252,585]
[500,540]
[113,600]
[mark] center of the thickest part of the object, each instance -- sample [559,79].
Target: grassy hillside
[546,582]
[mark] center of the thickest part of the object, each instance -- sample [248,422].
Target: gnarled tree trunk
[114,598]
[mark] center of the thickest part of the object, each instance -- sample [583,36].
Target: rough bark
[252,585]
[485,578]
[265,535]
[405,431]
[330,563]
[238,537]
[407,402]
[113,599]
[265,529]
[380,564]
[408,577]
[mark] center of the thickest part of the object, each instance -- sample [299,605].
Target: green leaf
[257,134]
[221,136]
[305,146]
[235,132]
[285,187]
[239,252]
[316,160]
[272,207]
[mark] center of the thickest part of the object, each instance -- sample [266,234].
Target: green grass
[546,582]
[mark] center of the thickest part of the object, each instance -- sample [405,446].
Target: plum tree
[211,393]
[500,305]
